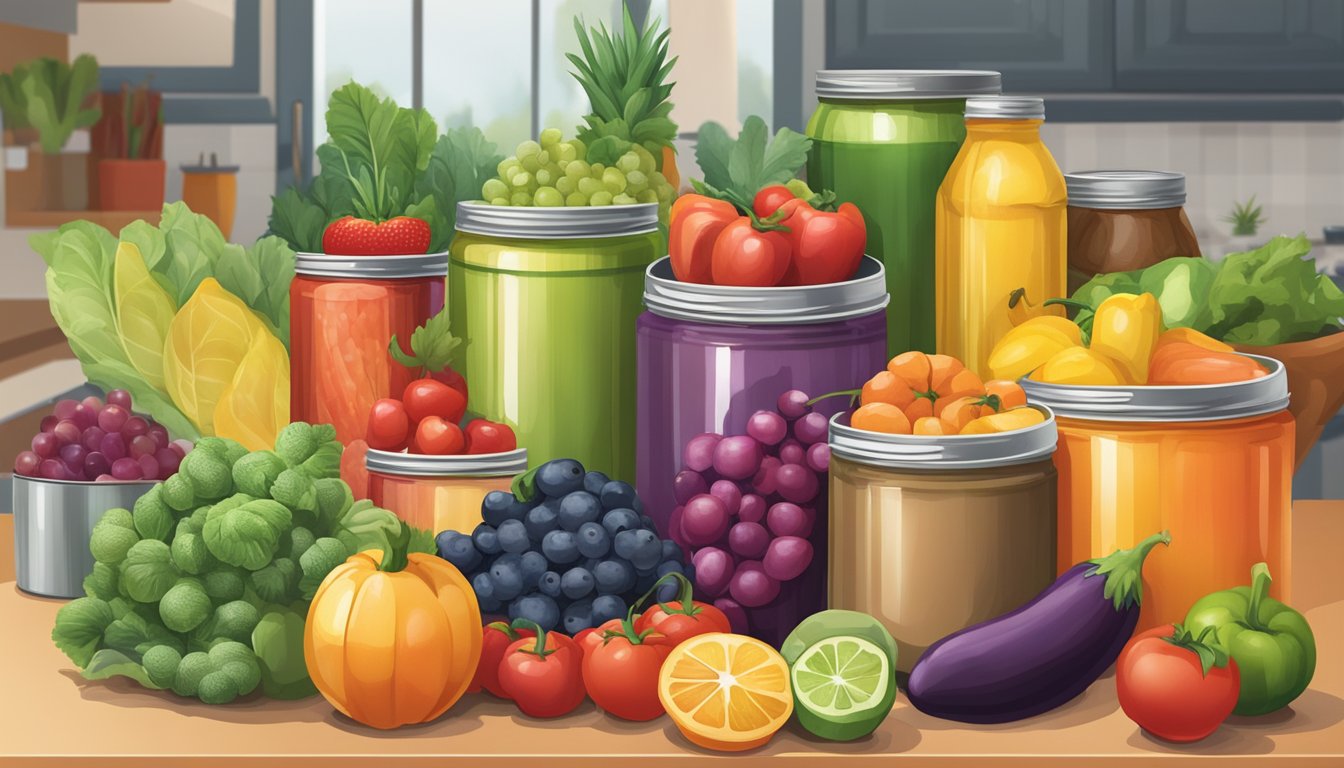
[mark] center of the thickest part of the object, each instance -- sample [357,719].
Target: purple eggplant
[1041,655]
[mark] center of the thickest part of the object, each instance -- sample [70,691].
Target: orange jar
[343,312]
[1212,464]
[440,493]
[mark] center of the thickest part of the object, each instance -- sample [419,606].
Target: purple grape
[797,483]
[96,464]
[113,418]
[168,461]
[134,427]
[65,409]
[752,508]
[737,618]
[181,447]
[67,432]
[27,463]
[92,438]
[52,469]
[48,423]
[792,452]
[793,404]
[787,557]
[674,526]
[789,519]
[45,445]
[119,397]
[737,457]
[126,468]
[688,483]
[810,429]
[819,457]
[84,417]
[713,570]
[94,402]
[727,492]
[113,445]
[698,454]
[703,520]
[748,540]
[160,435]
[72,456]
[106,479]
[149,466]
[142,445]
[752,586]
[767,427]
[764,482]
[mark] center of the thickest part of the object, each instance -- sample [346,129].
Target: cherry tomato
[690,203]
[594,637]
[543,674]
[438,437]
[453,379]
[495,640]
[826,247]
[744,255]
[682,618]
[621,674]
[691,239]
[389,426]
[427,397]
[1163,685]
[490,437]
[769,199]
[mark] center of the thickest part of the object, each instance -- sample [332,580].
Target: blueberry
[620,519]
[560,547]
[518,509]
[606,607]
[625,543]
[670,589]
[532,564]
[645,581]
[512,537]
[560,476]
[616,494]
[488,605]
[648,550]
[593,482]
[483,586]
[638,506]
[486,540]
[495,507]
[672,552]
[578,616]
[578,508]
[540,521]
[538,608]
[591,562]
[577,583]
[688,570]
[457,548]
[549,584]
[647,523]
[507,578]
[614,577]
[593,540]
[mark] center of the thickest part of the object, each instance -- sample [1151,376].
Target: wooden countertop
[52,716]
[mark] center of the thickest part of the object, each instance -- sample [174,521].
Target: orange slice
[726,692]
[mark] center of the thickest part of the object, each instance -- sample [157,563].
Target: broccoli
[295,490]
[120,518]
[274,582]
[184,606]
[193,667]
[333,500]
[256,472]
[235,620]
[222,448]
[325,554]
[190,553]
[325,463]
[300,539]
[80,624]
[209,475]
[297,442]
[247,536]
[110,543]
[217,688]
[223,584]
[160,663]
[153,519]
[178,492]
[147,572]
[238,662]
[101,582]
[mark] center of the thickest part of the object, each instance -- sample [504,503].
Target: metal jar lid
[904,84]
[1125,190]
[935,452]
[1203,402]
[557,223]
[463,465]
[863,294]
[1006,107]
[377,267]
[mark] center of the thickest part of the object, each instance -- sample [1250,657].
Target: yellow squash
[1027,347]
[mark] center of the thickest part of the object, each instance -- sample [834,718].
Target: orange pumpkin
[921,385]
[391,648]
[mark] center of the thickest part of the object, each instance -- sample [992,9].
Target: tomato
[1163,684]
[687,204]
[746,256]
[769,199]
[682,618]
[438,437]
[691,241]
[589,639]
[495,640]
[543,674]
[389,426]
[490,437]
[826,247]
[453,379]
[621,673]
[427,397]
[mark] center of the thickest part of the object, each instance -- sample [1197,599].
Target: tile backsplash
[1295,170]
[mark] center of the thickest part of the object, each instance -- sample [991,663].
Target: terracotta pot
[1315,383]
[131,185]
[65,180]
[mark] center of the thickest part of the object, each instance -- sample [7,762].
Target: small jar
[930,535]
[1124,220]
[440,493]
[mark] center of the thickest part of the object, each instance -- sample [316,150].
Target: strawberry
[349,236]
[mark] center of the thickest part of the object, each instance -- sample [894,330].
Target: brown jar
[1124,220]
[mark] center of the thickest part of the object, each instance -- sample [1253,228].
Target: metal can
[546,300]
[440,493]
[930,534]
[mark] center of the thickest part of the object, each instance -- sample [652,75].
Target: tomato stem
[1210,655]
[684,603]
[539,650]
[1260,580]
[504,627]
[852,393]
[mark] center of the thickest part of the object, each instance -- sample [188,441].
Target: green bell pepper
[1272,644]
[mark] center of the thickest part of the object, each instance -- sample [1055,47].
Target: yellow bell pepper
[1191,336]
[1020,308]
[1125,329]
[1026,347]
[1083,366]
[1007,421]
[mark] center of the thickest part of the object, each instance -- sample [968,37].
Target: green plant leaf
[247,535]
[743,166]
[194,245]
[109,663]
[432,345]
[278,643]
[79,628]
[460,163]
[299,219]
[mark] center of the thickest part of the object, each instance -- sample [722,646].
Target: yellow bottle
[1000,227]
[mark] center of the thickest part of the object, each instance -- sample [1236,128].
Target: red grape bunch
[92,440]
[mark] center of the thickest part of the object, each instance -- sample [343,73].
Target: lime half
[842,666]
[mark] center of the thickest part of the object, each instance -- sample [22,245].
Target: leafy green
[319,560]
[55,95]
[461,162]
[278,642]
[247,536]
[185,606]
[109,663]
[80,624]
[1181,285]
[148,572]
[738,169]
[366,526]
[432,345]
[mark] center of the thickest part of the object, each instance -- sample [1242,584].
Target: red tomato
[682,618]
[490,437]
[495,640]
[427,397]
[621,674]
[544,675]
[594,637]
[453,379]
[691,241]
[389,426]
[438,437]
[769,199]
[687,204]
[744,255]
[826,247]
[1162,686]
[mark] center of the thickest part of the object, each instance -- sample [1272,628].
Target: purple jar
[710,356]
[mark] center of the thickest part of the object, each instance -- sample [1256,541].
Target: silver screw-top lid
[903,84]
[558,223]
[1126,190]
[944,452]
[462,465]
[372,267]
[1006,107]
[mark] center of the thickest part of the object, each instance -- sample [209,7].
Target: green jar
[883,140]
[545,301]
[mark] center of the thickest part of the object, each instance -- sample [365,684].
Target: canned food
[440,493]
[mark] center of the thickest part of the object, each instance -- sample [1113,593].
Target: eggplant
[1041,655]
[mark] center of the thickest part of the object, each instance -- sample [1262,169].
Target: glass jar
[545,301]
[440,493]
[1000,227]
[930,535]
[1211,464]
[343,313]
[883,140]
[1125,220]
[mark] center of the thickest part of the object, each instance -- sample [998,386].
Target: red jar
[343,312]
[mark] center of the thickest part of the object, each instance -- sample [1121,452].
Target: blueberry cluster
[572,556]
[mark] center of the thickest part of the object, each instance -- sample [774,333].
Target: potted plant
[131,178]
[51,101]
[1246,219]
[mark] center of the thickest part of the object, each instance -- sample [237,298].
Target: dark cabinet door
[1270,46]
[1038,45]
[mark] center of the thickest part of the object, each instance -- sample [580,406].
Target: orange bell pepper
[1181,363]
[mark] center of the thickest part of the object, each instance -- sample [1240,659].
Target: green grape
[589,186]
[565,153]
[503,167]
[647,162]
[494,188]
[636,181]
[521,180]
[596,169]
[548,196]
[528,149]
[577,169]
[665,193]
[511,168]
[647,196]
[799,188]
[550,136]
[614,181]
[623,199]
[543,158]
[520,198]
[580,148]
[576,199]
[544,177]
[657,179]
[499,201]
[628,162]
[601,197]
[566,185]
[531,164]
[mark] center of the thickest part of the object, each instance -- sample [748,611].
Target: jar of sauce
[1124,220]
[930,535]
[440,493]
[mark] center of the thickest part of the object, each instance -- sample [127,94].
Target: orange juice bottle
[1000,219]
